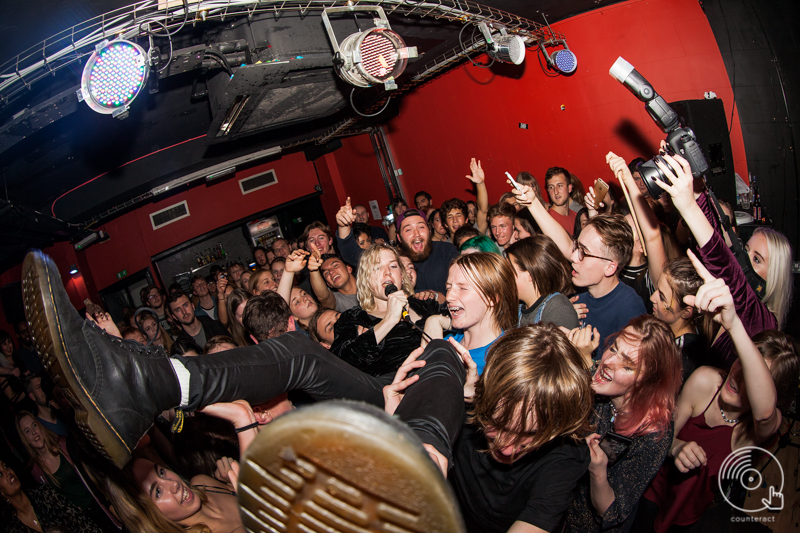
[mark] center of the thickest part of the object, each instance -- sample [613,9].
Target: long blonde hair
[50,443]
[778,295]
[370,261]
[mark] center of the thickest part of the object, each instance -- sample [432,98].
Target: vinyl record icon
[738,468]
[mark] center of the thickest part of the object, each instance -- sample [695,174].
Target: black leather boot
[117,388]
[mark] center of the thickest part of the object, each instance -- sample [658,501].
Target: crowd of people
[569,363]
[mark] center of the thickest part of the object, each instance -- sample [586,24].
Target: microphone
[392,288]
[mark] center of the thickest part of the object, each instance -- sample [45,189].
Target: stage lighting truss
[377,55]
[563,61]
[503,47]
[114,75]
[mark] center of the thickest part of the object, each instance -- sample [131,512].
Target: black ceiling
[41,163]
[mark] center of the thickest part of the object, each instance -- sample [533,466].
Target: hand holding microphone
[400,298]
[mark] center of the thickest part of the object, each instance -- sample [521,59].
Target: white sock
[183,379]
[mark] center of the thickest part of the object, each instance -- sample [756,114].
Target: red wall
[474,112]
[360,174]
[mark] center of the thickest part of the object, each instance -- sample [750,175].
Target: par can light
[377,55]
[114,75]
[565,61]
[373,56]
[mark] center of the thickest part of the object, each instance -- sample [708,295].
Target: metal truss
[163,17]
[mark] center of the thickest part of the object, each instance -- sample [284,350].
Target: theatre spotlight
[377,55]
[114,75]
[502,46]
[73,269]
[564,60]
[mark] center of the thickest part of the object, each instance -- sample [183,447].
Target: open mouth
[456,312]
[187,495]
[418,245]
[602,376]
[732,386]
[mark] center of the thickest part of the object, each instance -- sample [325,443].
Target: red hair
[652,398]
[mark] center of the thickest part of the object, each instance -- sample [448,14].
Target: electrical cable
[353,105]
[466,52]
[53,205]
[168,33]
[169,38]
[544,69]
[220,59]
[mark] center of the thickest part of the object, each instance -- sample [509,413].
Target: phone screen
[614,446]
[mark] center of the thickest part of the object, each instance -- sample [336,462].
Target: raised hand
[525,194]
[714,296]
[618,166]
[314,259]
[585,339]
[296,261]
[227,471]
[222,284]
[346,216]
[477,175]
[680,174]
[104,320]
[397,301]
[589,201]
[393,394]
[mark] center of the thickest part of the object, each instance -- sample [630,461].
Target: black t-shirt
[432,273]
[536,489]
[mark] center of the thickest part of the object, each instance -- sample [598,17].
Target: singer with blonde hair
[377,335]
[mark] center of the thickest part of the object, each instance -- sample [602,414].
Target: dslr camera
[680,140]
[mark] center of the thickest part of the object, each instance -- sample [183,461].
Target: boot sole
[48,338]
[343,467]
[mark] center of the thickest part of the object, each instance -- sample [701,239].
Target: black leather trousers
[433,407]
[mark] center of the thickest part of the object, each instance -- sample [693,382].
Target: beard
[418,257]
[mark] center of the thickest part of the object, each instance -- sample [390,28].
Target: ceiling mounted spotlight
[114,75]
[377,55]
[73,269]
[502,46]
[563,61]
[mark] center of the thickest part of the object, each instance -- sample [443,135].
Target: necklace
[725,418]
[613,413]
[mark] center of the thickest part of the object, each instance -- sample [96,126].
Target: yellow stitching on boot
[177,424]
[64,344]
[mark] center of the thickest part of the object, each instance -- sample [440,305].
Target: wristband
[245,428]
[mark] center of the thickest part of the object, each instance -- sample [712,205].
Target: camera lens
[650,173]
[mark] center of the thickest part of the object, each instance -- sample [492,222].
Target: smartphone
[600,190]
[615,446]
[513,181]
[92,308]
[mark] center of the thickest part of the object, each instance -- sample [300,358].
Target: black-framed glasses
[583,254]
